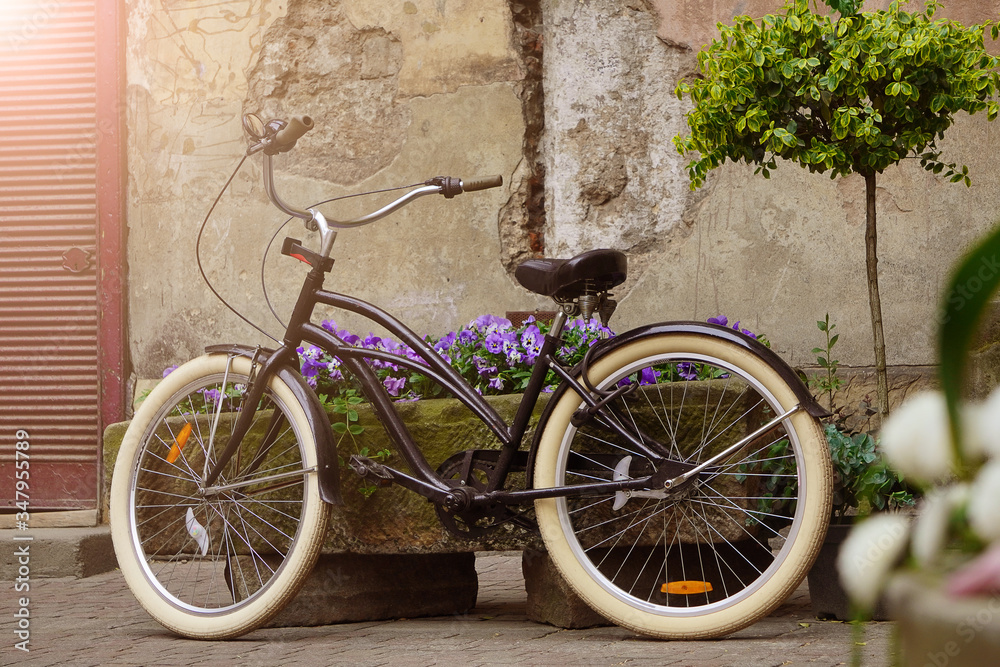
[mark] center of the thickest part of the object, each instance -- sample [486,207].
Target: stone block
[347,588]
[550,599]
[59,552]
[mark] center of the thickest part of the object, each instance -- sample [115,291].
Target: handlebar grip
[482,183]
[297,126]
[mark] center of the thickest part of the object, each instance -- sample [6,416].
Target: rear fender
[605,347]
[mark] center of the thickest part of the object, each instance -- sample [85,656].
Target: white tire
[719,553]
[184,552]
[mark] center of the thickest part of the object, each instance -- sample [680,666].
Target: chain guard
[468,470]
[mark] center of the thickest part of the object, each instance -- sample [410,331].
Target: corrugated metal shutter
[48,291]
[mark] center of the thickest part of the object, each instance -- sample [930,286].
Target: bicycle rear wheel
[217,563]
[713,555]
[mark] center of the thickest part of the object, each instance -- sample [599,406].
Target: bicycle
[679,476]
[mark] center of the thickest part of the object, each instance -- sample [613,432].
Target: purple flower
[491,321]
[745,332]
[497,383]
[311,353]
[211,396]
[722,320]
[394,385]
[169,369]
[494,343]
[532,340]
[648,376]
[687,370]
[466,337]
[445,342]
[483,366]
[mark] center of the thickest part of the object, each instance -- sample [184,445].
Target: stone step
[56,552]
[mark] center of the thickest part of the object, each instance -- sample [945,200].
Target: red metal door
[51,382]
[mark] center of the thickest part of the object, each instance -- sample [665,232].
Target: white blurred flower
[930,530]
[869,553]
[916,440]
[984,499]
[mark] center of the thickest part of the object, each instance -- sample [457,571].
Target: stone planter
[935,629]
[394,520]
[397,531]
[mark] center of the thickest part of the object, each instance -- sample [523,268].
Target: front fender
[319,421]
[605,347]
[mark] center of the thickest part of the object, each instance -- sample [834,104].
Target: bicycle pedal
[365,467]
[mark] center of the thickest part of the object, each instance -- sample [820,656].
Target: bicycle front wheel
[720,551]
[214,563]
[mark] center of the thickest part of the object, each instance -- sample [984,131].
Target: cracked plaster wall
[400,91]
[572,101]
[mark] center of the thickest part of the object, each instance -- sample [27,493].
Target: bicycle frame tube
[434,367]
[429,363]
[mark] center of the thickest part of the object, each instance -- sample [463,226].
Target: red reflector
[301,258]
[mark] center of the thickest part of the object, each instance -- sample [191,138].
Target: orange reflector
[686,587]
[179,442]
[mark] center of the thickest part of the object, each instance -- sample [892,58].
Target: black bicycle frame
[427,482]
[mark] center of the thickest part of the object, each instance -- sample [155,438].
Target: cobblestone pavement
[96,621]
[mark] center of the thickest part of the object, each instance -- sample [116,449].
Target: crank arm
[368,469]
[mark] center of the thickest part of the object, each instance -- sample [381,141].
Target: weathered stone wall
[776,254]
[572,102]
[400,92]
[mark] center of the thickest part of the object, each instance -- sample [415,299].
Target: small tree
[853,94]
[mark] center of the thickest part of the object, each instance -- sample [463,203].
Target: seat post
[558,323]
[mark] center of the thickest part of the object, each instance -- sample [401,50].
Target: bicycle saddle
[591,271]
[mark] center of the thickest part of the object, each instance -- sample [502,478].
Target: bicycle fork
[256,384]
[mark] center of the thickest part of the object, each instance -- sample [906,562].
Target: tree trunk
[874,302]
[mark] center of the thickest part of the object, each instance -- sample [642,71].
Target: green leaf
[969,291]
[339,427]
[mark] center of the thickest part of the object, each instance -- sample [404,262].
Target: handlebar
[279,136]
[292,132]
